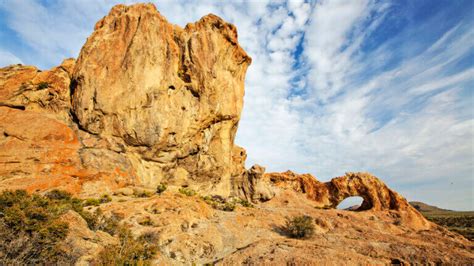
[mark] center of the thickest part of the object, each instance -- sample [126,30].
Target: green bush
[142,194]
[130,251]
[57,194]
[161,188]
[146,222]
[43,85]
[222,204]
[91,202]
[30,229]
[299,226]
[105,198]
[187,191]
[98,221]
[245,203]
[96,202]
[228,207]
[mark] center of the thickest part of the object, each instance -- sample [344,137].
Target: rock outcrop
[168,99]
[328,195]
[38,153]
[28,88]
[161,105]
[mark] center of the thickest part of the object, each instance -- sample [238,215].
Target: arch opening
[353,203]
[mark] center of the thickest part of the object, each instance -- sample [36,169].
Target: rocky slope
[149,103]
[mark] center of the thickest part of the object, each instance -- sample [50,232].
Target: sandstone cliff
[148,102]
[165,99]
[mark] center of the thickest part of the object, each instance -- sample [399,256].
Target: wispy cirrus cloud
[7,58]
[335,86]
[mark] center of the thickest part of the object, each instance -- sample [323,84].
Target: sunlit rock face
[166,99]
[146,102]
[376,195]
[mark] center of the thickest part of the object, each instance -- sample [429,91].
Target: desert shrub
[131,251]
[43,85]
[222,204]
[146,222]
[161,188]
[215,202]
[245,203]
[461,223]
[98,221]
[30,228]
[31,231]
[105,198]
[142,193]
[57,194]
[228,207]
[96,202]
[91,202]
[299,226]
[187,191]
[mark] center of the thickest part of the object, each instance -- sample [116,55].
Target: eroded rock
[169,98]
[38,153]
[377,196]
[28,88]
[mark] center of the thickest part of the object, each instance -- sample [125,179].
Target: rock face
[28,88]
[38,153]
[377,196]
[162,104]
[168,99]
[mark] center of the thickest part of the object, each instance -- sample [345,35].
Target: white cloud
[7,58]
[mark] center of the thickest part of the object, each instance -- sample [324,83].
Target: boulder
[83,243]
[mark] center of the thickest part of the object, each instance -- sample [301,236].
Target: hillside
[126,155]
[423,207]
[461,222]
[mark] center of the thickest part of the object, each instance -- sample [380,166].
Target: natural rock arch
[376,195]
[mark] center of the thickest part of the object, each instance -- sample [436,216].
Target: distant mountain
[352,208]
[423,207]
[461,222]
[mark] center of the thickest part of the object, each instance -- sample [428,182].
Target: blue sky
[335,86]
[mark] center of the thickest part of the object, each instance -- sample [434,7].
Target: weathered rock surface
[82,242]
[28,88]
[190,231]
[38,153]
[377,196]
[168,98]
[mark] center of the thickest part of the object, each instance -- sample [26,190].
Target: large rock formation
[328,195]
[168,99]
[147,102]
